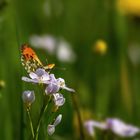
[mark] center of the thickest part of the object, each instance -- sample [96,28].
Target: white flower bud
[28,97]
[51,129]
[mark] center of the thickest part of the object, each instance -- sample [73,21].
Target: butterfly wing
[29,59]
[49,67]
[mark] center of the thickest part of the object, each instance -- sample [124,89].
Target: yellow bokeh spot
[129,6]
[100,47]
[2,84]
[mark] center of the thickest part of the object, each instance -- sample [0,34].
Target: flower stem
[76,107]
[30,122]
[43,110]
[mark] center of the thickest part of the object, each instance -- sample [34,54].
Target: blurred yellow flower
[129,6]
[100,47]
[2,84]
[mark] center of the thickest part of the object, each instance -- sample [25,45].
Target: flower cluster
[52,89]
[53,85]
[55,46]
[117,126]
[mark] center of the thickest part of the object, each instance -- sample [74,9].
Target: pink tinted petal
[33,75]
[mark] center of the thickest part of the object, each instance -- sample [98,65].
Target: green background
[107,85]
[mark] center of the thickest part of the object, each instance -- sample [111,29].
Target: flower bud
[58,119]
[28,97]
[51,129]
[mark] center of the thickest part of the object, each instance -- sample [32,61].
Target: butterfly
[30,60]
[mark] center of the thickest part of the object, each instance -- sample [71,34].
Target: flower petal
[89,128]
[51,88]
[68,89]
[33,75]
[40,72]
[45,77]
[52,78]
[51,129]
[26,79]
[122,129]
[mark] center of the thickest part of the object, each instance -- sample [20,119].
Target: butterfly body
[30,60]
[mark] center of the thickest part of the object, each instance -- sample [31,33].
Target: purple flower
[62,85]
[28,97]
[51,127]
[117,126]
[90,126]
[52,86]
[122,129]
[58,99]
[55,85]
[39,76]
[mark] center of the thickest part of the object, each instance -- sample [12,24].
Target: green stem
[43,110]
[30,122]
[76,107]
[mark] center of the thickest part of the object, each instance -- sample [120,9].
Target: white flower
[49,6]
[51,127]
[65,52]
[122,129]
[39,76]
[56,46]
[46,42]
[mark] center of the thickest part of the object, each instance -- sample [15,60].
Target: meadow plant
[115,125]
[52,87]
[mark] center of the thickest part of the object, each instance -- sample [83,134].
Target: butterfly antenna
[60,68]
[47,61]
